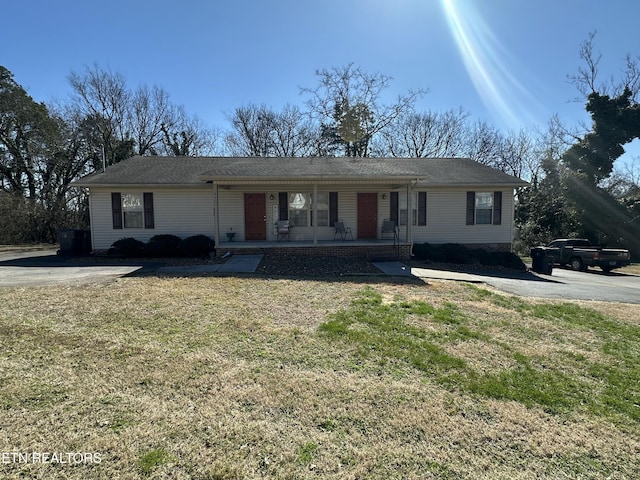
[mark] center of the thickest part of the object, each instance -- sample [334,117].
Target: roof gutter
[305,178]
[81,184]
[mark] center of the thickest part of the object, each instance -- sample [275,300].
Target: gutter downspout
[410,188]
[314,216]
[216,215]
[513,218]
[409,213]
[91,222]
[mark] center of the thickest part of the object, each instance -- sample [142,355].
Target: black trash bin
[86,242]
[542,259]
[66,239]
[74,242]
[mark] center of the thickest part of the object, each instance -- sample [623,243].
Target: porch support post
[216,215]
[409,212]
[314,216]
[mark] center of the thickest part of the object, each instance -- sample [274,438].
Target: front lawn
[241,378]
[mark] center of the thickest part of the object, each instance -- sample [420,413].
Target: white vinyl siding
[177,211]
[186,211]
[446,220]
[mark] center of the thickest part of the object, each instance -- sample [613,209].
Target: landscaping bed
[310,266]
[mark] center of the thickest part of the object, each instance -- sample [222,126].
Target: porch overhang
[323,180]
[394,182]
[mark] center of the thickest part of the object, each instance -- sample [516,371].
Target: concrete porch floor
[308,243]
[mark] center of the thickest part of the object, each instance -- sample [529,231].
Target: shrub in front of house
[459,254]
[127,247]
[427,251]
[164,245]
[509,260]
[456,253]
[197,246]
[484,257]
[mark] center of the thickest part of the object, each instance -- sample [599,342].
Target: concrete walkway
[236,264]
[399,269]
[396,269]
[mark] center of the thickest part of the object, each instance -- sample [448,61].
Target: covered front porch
[370,249]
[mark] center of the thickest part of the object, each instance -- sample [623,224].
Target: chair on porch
[389,226]
[343,231]
[282,229]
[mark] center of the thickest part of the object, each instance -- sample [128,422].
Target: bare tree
[348,102]
[150,111]
[188,136]
[587,80]
[425,134]
[251,131]
[625,180]
[139,122]
[259,131]
[102,98]
[483,144]
[291,133]
[518,154]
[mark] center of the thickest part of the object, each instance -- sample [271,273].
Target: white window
[322,205]
[484,208]
[300,209]
[132,210]
[402,208]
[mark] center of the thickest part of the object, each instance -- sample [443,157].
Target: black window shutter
[333,208]
[147,200]
[422,208]
[471,208]
[393,206]
[283,206]
[116,210]
[497,208]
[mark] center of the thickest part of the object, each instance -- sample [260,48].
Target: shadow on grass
[148,267]
[598,271]
[487,271]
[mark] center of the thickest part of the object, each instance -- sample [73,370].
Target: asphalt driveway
[39,268]
[45,268]
[562,284]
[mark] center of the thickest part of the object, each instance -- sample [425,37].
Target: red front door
[255,216]
[367,215]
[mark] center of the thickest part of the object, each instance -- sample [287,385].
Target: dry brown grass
[27,247]
[229,378]
[634,268]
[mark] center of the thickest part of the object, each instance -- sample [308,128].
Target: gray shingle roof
[197,170]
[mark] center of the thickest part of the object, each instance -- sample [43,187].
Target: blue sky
[504,61]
